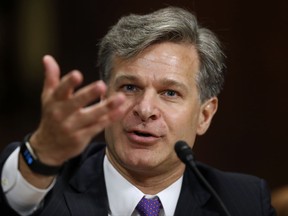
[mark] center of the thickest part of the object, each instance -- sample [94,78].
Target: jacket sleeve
[4,206]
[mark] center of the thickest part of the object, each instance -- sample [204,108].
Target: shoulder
[92,149]
[241,192]
[220,177]
[238,184]
[93,155]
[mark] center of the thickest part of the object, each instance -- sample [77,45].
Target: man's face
[163,107]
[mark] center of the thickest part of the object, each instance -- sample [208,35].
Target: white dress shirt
[23,197]
[123,197]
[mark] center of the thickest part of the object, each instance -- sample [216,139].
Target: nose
[146,107]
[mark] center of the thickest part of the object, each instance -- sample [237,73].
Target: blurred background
[249,132]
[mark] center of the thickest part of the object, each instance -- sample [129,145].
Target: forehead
[172,60]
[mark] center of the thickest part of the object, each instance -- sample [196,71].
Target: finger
[84,97]
[89,94]
[104,121]
[106,107]
[52,74]
[92,115]
[67,85]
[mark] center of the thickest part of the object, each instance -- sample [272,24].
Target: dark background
[249,132]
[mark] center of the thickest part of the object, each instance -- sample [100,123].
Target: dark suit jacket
[81,190]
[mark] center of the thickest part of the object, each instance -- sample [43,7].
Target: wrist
[33,161]
[44,150]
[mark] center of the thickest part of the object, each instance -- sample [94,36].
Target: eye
[170,93]
[129,88]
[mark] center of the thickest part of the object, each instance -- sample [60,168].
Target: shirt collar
[169,197]
[123,196]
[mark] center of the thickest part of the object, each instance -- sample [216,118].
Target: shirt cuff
[23,197]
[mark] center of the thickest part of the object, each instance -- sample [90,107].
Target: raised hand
[68,122]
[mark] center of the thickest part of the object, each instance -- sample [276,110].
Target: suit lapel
[193,198]
[92,198]
[89,182]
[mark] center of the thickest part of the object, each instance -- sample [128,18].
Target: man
[162,75]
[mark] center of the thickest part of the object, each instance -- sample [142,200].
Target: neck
[151,180]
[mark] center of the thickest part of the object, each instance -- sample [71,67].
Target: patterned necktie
[149,207]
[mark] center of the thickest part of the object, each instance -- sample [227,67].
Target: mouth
[143,134]
[139,136]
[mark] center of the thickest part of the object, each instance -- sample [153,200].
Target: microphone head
[183,151]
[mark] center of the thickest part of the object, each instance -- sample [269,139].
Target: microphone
[185,154]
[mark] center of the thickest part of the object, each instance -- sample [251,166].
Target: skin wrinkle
[167,82]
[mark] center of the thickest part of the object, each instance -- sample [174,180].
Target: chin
[141,160]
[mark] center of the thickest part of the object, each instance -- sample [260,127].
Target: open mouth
[142,134]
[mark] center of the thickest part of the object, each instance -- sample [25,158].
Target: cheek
[109,136]
[115,141]
[183,123]
[115,130]
[115,133]
[112,133]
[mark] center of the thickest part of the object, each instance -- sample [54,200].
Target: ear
[207,111]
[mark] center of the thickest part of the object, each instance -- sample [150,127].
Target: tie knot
[149,207]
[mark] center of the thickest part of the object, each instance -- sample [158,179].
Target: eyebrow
[125,77]
[172,82]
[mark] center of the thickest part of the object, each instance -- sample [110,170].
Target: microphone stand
[184,152]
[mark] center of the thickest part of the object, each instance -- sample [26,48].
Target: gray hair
[134,33]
